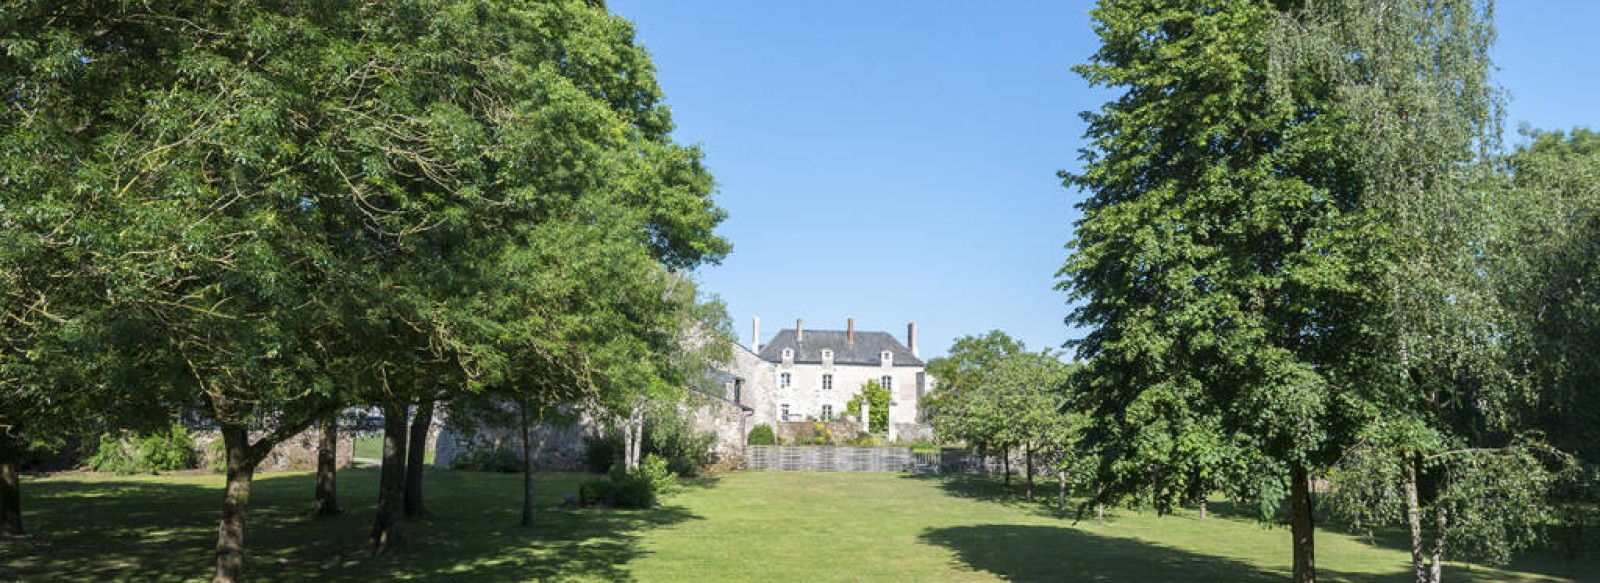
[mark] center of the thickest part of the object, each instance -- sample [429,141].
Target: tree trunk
[392,481]
[1414,520]
[327,466]
[638,437]
[1099,507]
[1202,510]
[527,466]
[627,443]
[1302,526]
[10,488]
[235,505]
[1027,459]
[1061,494]
[1441,521]
[416,453]
[1005,463]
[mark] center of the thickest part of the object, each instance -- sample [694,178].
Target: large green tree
[1222,263]
[295,207]
[1549,260]
[1445,446]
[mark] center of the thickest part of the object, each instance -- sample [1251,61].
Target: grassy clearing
[370,446]
[748,526]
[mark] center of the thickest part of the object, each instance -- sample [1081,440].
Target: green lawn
[746,526]
[370,447]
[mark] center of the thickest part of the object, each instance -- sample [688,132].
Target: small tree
[877,398]
[762,435]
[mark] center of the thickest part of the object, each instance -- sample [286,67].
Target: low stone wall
[827,458]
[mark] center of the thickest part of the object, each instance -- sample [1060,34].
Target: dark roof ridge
[867,348]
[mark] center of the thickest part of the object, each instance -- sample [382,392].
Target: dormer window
[887,358]
[827,357]
[788,356]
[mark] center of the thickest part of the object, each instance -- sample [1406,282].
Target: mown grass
[767,526]
[370,446]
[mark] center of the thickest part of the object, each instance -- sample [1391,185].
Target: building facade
[810,375]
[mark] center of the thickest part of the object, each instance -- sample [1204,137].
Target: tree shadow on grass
[1054,553]
[1058,553]
[158,529]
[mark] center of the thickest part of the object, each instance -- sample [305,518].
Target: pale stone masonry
[803,375]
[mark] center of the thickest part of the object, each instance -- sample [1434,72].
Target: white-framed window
[783,380]
[827,382]
[886,357]
[827,354]
[887,382]
[827,412]
[783,411]
[788,354]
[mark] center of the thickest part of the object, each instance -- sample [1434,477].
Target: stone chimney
[852,327]
[755,335]
[911,339]
[799,330]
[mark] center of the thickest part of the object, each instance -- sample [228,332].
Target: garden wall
[827,458]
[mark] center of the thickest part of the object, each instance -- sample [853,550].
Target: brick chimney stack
[911,338]
[852,322]
[755,335]
[799,330]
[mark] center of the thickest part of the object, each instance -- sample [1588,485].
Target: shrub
[820,435]
[601,452]
[762,435]
[161,451]
[488,457]
[641,488]
[597,492]
[667,435]
[217,456]
[864,440]
[672,437]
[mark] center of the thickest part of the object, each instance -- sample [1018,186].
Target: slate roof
[865,350]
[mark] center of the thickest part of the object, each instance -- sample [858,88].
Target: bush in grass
[642,488]
[603,451]
[487,457]
[129,453]
[762,435]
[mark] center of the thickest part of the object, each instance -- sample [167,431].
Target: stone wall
[728,422]
[555,447]
[296,453]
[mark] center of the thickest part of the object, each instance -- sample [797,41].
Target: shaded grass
[162,528]
[749,526]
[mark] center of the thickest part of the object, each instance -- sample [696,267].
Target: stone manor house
[809,375]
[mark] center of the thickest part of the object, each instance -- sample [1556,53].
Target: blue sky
[895,161]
